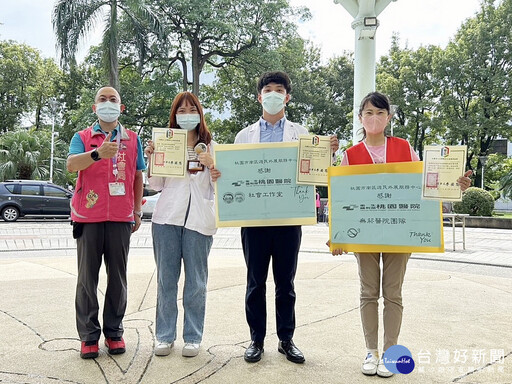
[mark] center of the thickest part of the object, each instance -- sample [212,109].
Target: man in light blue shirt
[279,243]
[271,133]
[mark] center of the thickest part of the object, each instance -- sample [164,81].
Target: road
[487,250]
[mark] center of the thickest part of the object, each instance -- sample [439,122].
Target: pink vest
[92,202]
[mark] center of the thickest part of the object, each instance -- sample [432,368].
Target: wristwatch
[95,155]
[138,213]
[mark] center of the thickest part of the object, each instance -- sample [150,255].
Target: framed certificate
[315,156]
[169,157]
[258,186]
[442,166]
[378,208]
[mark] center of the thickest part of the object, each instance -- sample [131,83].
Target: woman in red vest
[375,148]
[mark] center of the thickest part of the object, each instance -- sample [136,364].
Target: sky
[418,23]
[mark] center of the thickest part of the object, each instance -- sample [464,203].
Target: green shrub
[476,202]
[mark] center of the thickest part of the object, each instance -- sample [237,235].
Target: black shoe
[291,351]
[253,352]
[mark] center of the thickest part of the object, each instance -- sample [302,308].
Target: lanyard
[114,159]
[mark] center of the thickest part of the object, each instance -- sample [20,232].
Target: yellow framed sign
[379,208]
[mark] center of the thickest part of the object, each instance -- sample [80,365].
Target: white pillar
[365,25]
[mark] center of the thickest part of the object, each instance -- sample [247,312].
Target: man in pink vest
[105,209]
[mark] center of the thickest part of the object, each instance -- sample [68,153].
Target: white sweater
[172,204]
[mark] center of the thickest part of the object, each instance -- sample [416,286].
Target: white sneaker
[190,350]
[369,366]
[163,349]
[382,371]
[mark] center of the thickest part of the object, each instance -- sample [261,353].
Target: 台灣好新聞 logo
[398,359]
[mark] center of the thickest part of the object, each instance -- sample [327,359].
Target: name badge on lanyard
[116,188]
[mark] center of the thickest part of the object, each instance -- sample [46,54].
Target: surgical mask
[188,121]
[273,102]
[108,111]
[375,124]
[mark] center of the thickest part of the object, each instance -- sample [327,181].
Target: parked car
[20,198]
[148,205]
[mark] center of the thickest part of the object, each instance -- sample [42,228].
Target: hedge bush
[475,202]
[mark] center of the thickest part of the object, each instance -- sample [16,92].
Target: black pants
[110,240]
[260,244]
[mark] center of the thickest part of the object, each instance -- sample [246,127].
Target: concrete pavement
[457,311]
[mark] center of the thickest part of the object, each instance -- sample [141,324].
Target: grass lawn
[507,215]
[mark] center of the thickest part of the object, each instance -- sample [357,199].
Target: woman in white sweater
[183,228]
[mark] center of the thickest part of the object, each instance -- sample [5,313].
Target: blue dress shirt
[271,133]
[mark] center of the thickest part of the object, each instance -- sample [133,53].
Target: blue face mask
[188,121]
[108,111]
[273,102]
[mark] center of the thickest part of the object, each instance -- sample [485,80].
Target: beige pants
[393,271]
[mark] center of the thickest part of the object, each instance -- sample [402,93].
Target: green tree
[25,154]
[321,94]
[214,33]
[18,74]
[475,202]
[147,95]
[44,91]
[496,167]
[148,98]
[406,76]
[475,71]
[498,171]
[76,91]
[331,96]
[506,185]
[233,93]
[74,19]
[72,89]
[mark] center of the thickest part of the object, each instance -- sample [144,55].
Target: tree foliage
[475,202]
[506,185]
[406,77]
[496,167]
[25,154]
[146,95]
[27,84]
[44,92]
[457,95]
[476,87]
[18,73]
[214,33]
[321,96]
[74,19]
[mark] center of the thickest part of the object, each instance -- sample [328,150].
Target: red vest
[397,150]
[92,202]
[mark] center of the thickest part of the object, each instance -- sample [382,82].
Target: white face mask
[375,124]
[108,111]
[188,121]
[273,102]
